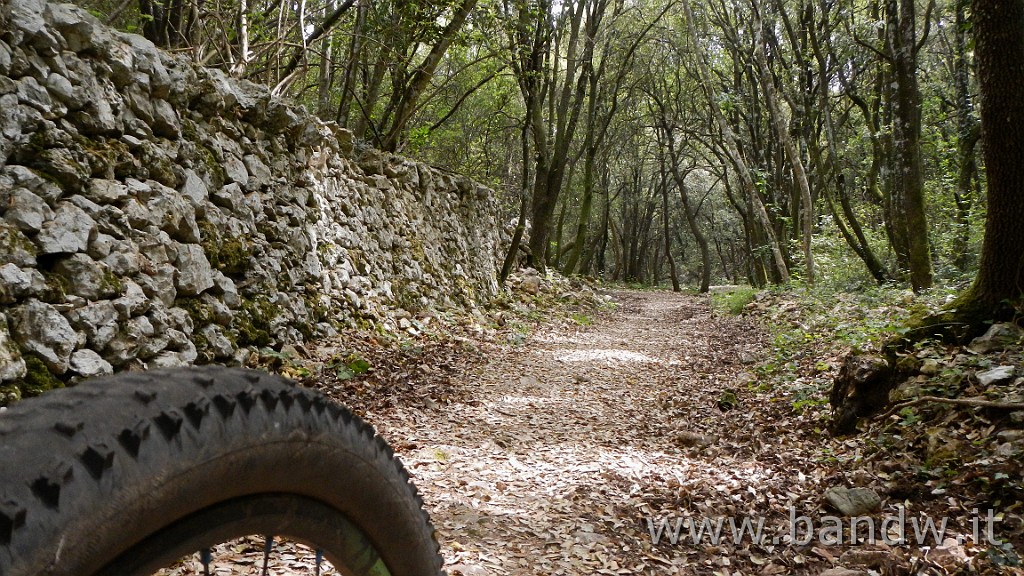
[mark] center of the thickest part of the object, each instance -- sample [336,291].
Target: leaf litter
[564,437]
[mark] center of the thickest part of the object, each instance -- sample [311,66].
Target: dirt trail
[567,442]
[564,454]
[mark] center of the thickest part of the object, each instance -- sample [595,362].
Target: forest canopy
[650,141]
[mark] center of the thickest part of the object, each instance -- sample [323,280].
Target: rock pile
[153,213]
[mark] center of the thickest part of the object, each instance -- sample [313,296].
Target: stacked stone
[153,213]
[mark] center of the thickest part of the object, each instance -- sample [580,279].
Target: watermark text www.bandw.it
[893,530]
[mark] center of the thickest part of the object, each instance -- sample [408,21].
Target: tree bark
[553,136]
[854,233]
[968,134]
[668,236]
[524,205]
[168,22]
[999,41]
[412,92]
[668,143]
[911,227]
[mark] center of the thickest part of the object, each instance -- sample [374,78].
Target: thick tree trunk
[562,93]
[999,285]
[999,40]
[542,214]
[586,207]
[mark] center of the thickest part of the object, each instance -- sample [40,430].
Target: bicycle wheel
[123,475]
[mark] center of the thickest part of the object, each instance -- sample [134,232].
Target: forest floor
[641,437]
[561,449]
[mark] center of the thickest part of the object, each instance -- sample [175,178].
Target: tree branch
[972,402]
[315,35]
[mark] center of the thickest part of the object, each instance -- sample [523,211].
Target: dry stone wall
[153,213]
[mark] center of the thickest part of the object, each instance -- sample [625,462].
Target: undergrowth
[813,328]
[927,454]
[734,299]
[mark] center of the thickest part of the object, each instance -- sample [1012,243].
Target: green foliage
[909,417]
[582,319]
[284,363]
[733,300]
[348,366]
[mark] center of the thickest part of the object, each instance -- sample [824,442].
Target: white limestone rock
[88,364]
[67,232]
[41,329]
[195,275]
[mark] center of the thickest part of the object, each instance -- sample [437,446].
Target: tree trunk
[999,40]
[806,204]
[911,226]
[968,133]
[167,23]
[355,51]
[729,141]
[564,108]
[326,79]
[690,213]
[524,205]
[668,236]
[854,234]
[411,93]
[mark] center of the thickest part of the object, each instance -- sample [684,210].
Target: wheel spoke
[268,546]
[206,556]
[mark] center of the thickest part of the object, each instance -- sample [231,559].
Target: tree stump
[861,388]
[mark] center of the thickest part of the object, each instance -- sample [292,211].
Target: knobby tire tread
[87,473]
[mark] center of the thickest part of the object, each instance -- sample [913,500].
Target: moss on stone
[355,256]
[416,247]
[233,257]
[252,324]
[202,348]
[102,154]
[38,378]
[318,312]
[36,145]
[189,131]
[200,312]
[111,284]
[13,240]
[161,169]
[214,169]
[229,255]
[9,394]
[57,287]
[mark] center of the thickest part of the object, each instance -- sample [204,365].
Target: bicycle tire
[122,475]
